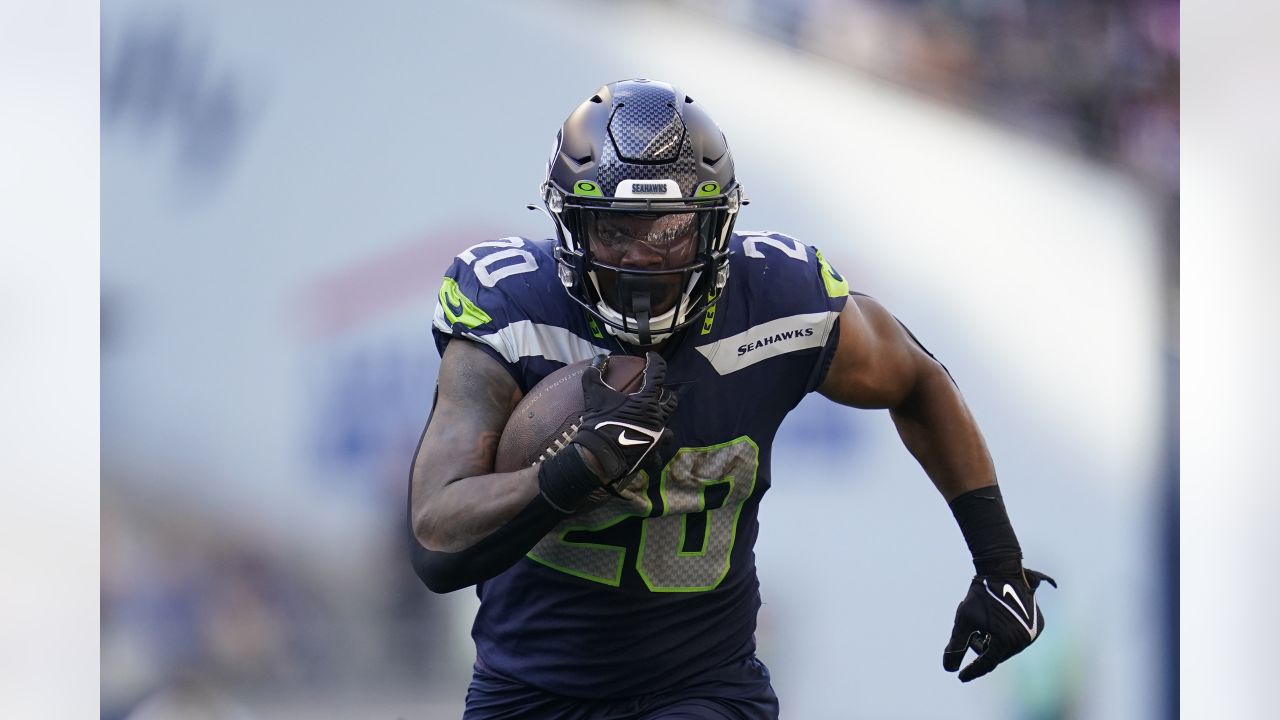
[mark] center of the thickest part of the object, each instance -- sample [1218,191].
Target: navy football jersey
[655,588]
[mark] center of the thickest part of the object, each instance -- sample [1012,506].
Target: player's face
[644,242]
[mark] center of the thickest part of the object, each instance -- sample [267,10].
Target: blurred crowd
[196,601]
[1100,76]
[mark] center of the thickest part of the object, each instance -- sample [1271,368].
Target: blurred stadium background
[282,184]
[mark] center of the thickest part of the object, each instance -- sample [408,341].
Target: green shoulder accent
[837,286]
[586,187]
[595,328]
[458,308]
[709,319]
[709,187]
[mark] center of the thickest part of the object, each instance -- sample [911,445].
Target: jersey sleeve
[832,292]
[779,320]
[467,308]
[505,296]
[795,297]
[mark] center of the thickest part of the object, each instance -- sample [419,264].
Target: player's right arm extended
[468,522]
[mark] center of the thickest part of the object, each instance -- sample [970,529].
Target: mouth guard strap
[640,306]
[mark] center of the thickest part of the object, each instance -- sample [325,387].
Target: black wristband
[987,531]
[565,480]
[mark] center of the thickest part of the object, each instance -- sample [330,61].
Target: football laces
[558,444]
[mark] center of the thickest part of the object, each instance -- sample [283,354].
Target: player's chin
[663,294]
[665,298]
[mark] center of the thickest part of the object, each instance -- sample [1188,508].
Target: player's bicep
[474,397]
[876,362]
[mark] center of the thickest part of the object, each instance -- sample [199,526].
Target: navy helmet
[641,188]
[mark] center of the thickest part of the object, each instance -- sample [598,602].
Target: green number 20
[662,558]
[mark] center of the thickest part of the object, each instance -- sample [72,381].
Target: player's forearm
[468,535]
[462,512]
[443,571]
[468,526]
[938,429]
[936,425]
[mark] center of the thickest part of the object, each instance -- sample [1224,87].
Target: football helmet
[641,189]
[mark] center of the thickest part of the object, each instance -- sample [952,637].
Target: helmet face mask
[632,255]
[640,187]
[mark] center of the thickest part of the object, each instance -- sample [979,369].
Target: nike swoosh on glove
[622,429]
[997,619]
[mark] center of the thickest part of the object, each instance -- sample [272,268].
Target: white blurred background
[283,183]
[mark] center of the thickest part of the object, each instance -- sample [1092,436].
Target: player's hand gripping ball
[546,418]
[618,389]
[997,619]
[621,429]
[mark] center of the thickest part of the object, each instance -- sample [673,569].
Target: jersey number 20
[666,559]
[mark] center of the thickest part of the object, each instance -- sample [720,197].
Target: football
[552,407]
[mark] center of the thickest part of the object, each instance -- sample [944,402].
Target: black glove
[998,618]
[621,430]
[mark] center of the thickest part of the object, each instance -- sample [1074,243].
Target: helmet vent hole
[596,99]
[688,99]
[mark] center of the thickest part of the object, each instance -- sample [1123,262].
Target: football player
[645,605]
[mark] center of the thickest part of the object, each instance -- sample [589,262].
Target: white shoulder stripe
[526,338]
[768,340]
[438,320]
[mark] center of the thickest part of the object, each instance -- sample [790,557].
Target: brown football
[553,406]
